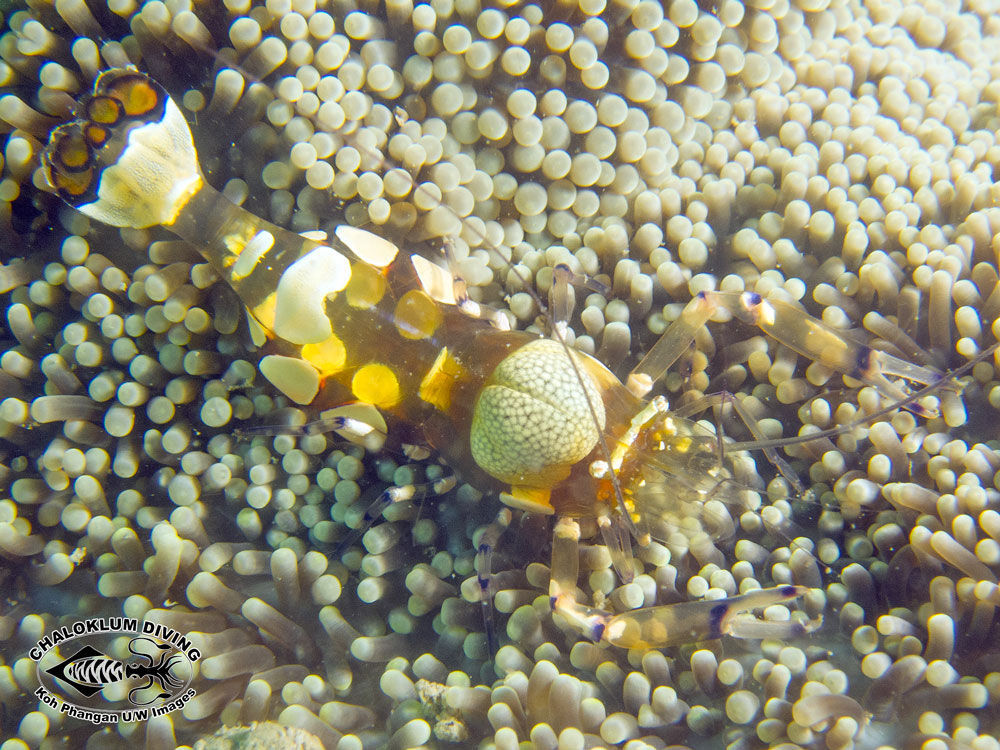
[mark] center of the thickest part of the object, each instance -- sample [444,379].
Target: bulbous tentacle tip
[128,159]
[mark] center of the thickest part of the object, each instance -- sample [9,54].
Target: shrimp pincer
[669,624]
[373,343]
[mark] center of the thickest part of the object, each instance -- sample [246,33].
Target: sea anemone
[838,154]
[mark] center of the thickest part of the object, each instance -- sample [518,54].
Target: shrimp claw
[668,624]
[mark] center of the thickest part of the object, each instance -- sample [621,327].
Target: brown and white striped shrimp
[375,341]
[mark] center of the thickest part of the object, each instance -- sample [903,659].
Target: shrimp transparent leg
[484,577]
[690,622]
[562,300]
[358,423]
[790,325]
[446,285]
[668,624]
[671,345]
[391,496]
[562,295]
[465,303]
[618,537]
[563,575]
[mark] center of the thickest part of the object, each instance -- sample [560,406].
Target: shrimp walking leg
[668,624]
[460,294]
[562,300]
[358,423]
[617,535]
[391,496]
[689,622]
[565,570]
[793,327]
[671,345]
[484,577]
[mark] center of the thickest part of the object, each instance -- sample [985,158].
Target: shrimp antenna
[876,415]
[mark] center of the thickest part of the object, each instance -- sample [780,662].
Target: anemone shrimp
[550,430]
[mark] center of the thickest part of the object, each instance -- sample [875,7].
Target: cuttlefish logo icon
[118,669]
[89,671]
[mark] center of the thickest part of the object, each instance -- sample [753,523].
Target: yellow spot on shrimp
[436,386]
[417,316]
[328,356]
[376,384]
[366,286]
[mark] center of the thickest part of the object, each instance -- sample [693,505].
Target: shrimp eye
[753,299]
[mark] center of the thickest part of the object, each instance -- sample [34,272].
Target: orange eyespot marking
[73,184]
[68,150]
[135,92]
[104,110]
[96,135]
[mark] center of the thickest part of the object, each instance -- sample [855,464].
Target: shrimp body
[347,320]
[351,319]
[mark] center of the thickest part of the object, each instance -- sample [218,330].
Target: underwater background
[839,153]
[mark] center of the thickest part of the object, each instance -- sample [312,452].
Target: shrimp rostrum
[359,332]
